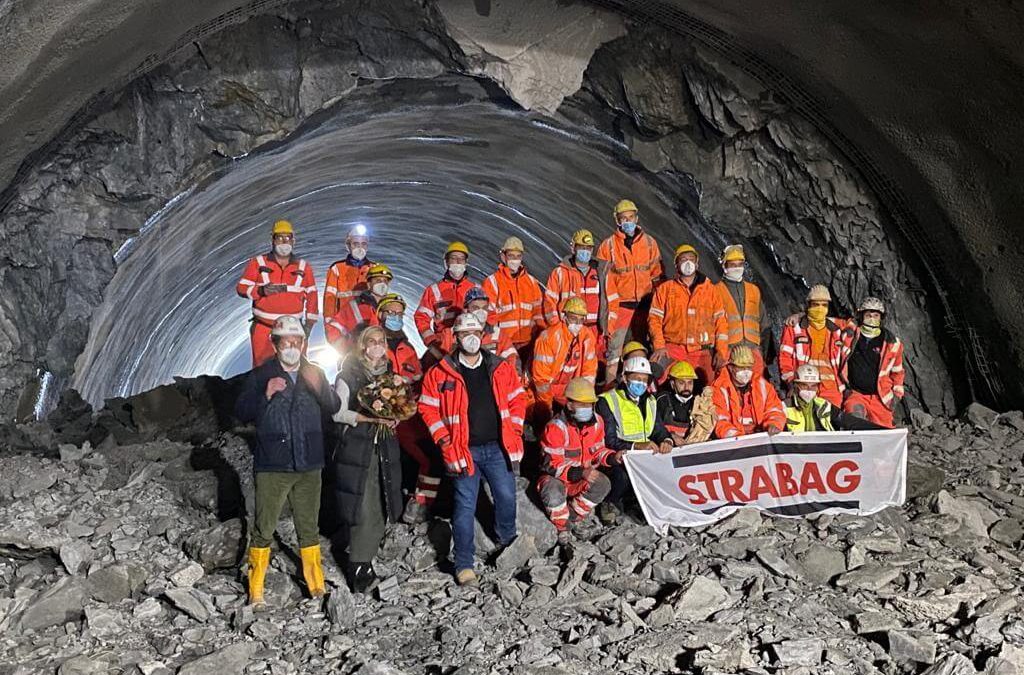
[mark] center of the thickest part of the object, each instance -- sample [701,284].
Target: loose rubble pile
[125,558]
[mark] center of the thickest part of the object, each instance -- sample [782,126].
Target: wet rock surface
[99,572]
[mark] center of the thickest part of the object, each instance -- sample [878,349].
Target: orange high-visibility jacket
[444,406]
[559,356]
[353,314]
[634,271]
[517,303]
[795,350]
[493,340]
[693,319]
[299,299]
[596,288]
[345,279]
[759,406]
[890,370]
[567,444]
[744,322]
[405,361]
[439,305]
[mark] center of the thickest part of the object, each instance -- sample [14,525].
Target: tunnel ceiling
[719,154]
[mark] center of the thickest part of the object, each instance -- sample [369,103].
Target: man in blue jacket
[287,398]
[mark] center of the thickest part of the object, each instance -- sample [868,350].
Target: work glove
[455,470]
[574,474]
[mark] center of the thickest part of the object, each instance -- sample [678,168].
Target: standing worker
[358,311]
[347,278]
[474,405]
[287,398]
[872,368]
[442,302]
[687,321]
[580,275]
[517,299]
[745,403]
[564,351]
[279,284]
[816,339]
[634,261]
[744,312]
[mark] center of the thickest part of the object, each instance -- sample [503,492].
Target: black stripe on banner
[804,509]
[766,449]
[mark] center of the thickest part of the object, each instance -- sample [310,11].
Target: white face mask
[358,252]
[734,274]
[376,352]
[807,395]
[283,250]
[744,376]
[380,289]
[481,315]
[514,265]
[290,356]
[685,398]
[575,328]
[456,270]
[470,344]
[687,268]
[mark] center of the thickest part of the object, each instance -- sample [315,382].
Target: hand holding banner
[786,475]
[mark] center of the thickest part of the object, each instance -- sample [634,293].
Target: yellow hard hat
[580,390]
[389,298]
[685,248]
[682,370]
[732,253]
[623,206]
[634,346]
[513,244]
[742,356]
[380,270]
[583,238]
[575,305]
[819,292]
[457,247]
[283,227]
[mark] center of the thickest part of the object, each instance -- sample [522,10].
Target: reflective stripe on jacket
[439,305]
[732,420]
[596,288]
[633,425]
[516,301]
[694,319]
[745,326]
[345,280]
[559,356]
[353,314]
[299,298]
[891,374]
[634,271]
[567,445]
[820,408]
[796,349]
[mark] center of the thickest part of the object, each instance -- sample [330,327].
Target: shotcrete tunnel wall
[713,153]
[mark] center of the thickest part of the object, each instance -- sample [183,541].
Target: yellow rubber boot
[312,570]
[259,560]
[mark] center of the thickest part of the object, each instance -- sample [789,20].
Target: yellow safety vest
[796,422]
[632,424]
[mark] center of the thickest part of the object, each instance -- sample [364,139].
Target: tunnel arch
[789,272]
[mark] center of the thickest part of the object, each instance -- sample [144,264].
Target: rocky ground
[123,558]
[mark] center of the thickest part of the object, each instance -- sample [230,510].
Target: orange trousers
[869,407]
[701,362]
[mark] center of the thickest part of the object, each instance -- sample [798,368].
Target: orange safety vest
[891,374]
[596,288]
[634,271]
[299,298]
[745,326]
[444,406]
[795,350]
[755,410]
[694,319]
[559,356]
[345,280]
[439,305]
[517,303]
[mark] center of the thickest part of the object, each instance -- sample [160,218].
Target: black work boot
[360,577]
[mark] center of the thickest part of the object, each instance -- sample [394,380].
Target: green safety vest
[633,426]
[820,408]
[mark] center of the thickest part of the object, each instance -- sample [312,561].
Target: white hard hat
[807,374]
[466,322]
[288,326]
[637,364]
[872,304]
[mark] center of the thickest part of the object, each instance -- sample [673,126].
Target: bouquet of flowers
[389,397]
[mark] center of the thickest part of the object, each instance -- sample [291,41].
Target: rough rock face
[99,572]
[765,178]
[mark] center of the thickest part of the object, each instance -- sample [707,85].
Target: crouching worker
[574,449]
[287,398]
[473,405]
[807,411]
[367,463]
[745,403]
[685,408]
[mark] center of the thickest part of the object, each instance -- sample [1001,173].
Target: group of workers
[611,355]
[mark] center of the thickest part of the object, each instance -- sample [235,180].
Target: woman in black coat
[367,464]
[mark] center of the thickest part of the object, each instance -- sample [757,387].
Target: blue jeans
[489,463]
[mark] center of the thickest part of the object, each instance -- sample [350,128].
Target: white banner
[790,475]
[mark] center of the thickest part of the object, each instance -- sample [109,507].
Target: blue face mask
[583,257]
[628,228]
[393,323]
[583,415]
[636,389]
